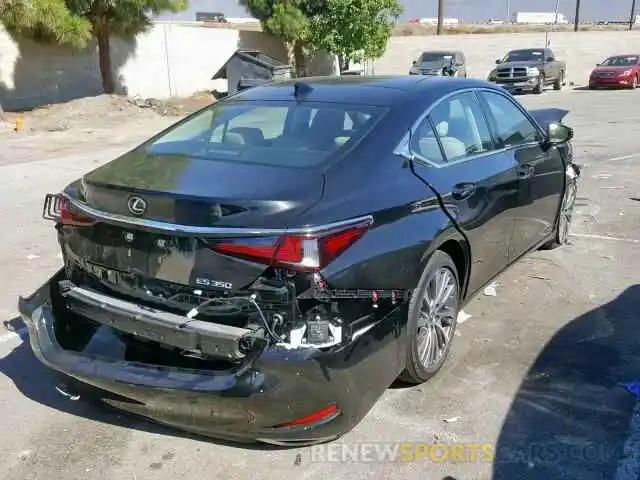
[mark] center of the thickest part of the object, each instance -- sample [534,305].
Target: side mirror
[497,61]
[413,63]
[551,59]
[598,64]
[559,133]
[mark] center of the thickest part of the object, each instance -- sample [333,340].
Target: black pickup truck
[529,70]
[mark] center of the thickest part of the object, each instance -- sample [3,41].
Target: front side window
[460,127]
[512,126]
[294,134]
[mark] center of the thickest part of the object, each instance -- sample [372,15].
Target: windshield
[288,134]
[524,56]
[435,56]
[620,61]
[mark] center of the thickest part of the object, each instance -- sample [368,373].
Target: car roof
[375,90]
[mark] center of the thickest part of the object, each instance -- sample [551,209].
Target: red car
[617,71]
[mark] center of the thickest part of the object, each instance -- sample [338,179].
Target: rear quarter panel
[409,225]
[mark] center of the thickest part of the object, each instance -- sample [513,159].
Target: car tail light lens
[307,252]
[60,210]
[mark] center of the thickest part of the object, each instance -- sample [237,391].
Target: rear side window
[460,128]
[289,134]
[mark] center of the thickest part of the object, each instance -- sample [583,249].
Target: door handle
[525,171]
[463,191]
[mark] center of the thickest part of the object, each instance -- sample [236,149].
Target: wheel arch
[456,246]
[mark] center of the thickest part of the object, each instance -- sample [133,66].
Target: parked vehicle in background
[264,269]
[616,71]
[529,70]
[448,63]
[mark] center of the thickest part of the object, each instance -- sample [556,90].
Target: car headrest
[442,129]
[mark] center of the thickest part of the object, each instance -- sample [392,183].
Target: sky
[464,10]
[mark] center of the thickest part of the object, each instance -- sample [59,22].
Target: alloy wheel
[437,317]
[566,212]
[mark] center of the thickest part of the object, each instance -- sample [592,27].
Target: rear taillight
[305,252]
[60,210]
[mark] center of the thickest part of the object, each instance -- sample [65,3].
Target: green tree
[354,30]
[288,20]
[74,22]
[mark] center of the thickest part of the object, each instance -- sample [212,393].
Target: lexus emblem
[137,205]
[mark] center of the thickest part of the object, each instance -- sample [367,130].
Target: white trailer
[538,18]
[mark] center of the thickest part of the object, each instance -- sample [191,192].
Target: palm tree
[440,16]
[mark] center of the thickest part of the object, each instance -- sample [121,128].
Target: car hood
[528,63]
[188,190]
[546,116]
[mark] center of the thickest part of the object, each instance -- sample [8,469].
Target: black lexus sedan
[264,269]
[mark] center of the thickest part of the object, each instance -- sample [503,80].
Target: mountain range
[463,10]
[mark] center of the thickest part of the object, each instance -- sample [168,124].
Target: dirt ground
[101,112]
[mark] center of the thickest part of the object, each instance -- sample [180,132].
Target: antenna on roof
[300,88]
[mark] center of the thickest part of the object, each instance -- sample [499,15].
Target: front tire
[433,316]
[561,235]
[634,83]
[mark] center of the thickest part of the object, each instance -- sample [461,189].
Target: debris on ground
[175,107]
[490,291]
[298,460]
[463,316]
[101,112]
[451,420]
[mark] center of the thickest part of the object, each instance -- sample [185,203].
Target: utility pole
[508,15]
[576,21]
[441,17]
[632,16]
[547,35]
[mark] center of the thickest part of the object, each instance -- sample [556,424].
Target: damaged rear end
[197,307]
[220,293]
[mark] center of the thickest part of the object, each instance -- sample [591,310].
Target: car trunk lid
[184,190]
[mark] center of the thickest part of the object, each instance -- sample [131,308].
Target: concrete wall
[169,60]
[581,50]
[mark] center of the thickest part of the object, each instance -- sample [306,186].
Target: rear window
[290,134]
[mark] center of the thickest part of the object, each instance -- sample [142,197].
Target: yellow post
[19,124]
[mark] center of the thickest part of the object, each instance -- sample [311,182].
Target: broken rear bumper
[253,403]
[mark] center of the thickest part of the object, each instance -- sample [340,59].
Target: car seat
[453,147]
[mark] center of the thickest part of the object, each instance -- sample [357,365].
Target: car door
[550,64]
[455,153]
[541,171]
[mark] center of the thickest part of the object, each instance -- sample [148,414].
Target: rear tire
[557,85]
[539,86]
[433,316]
